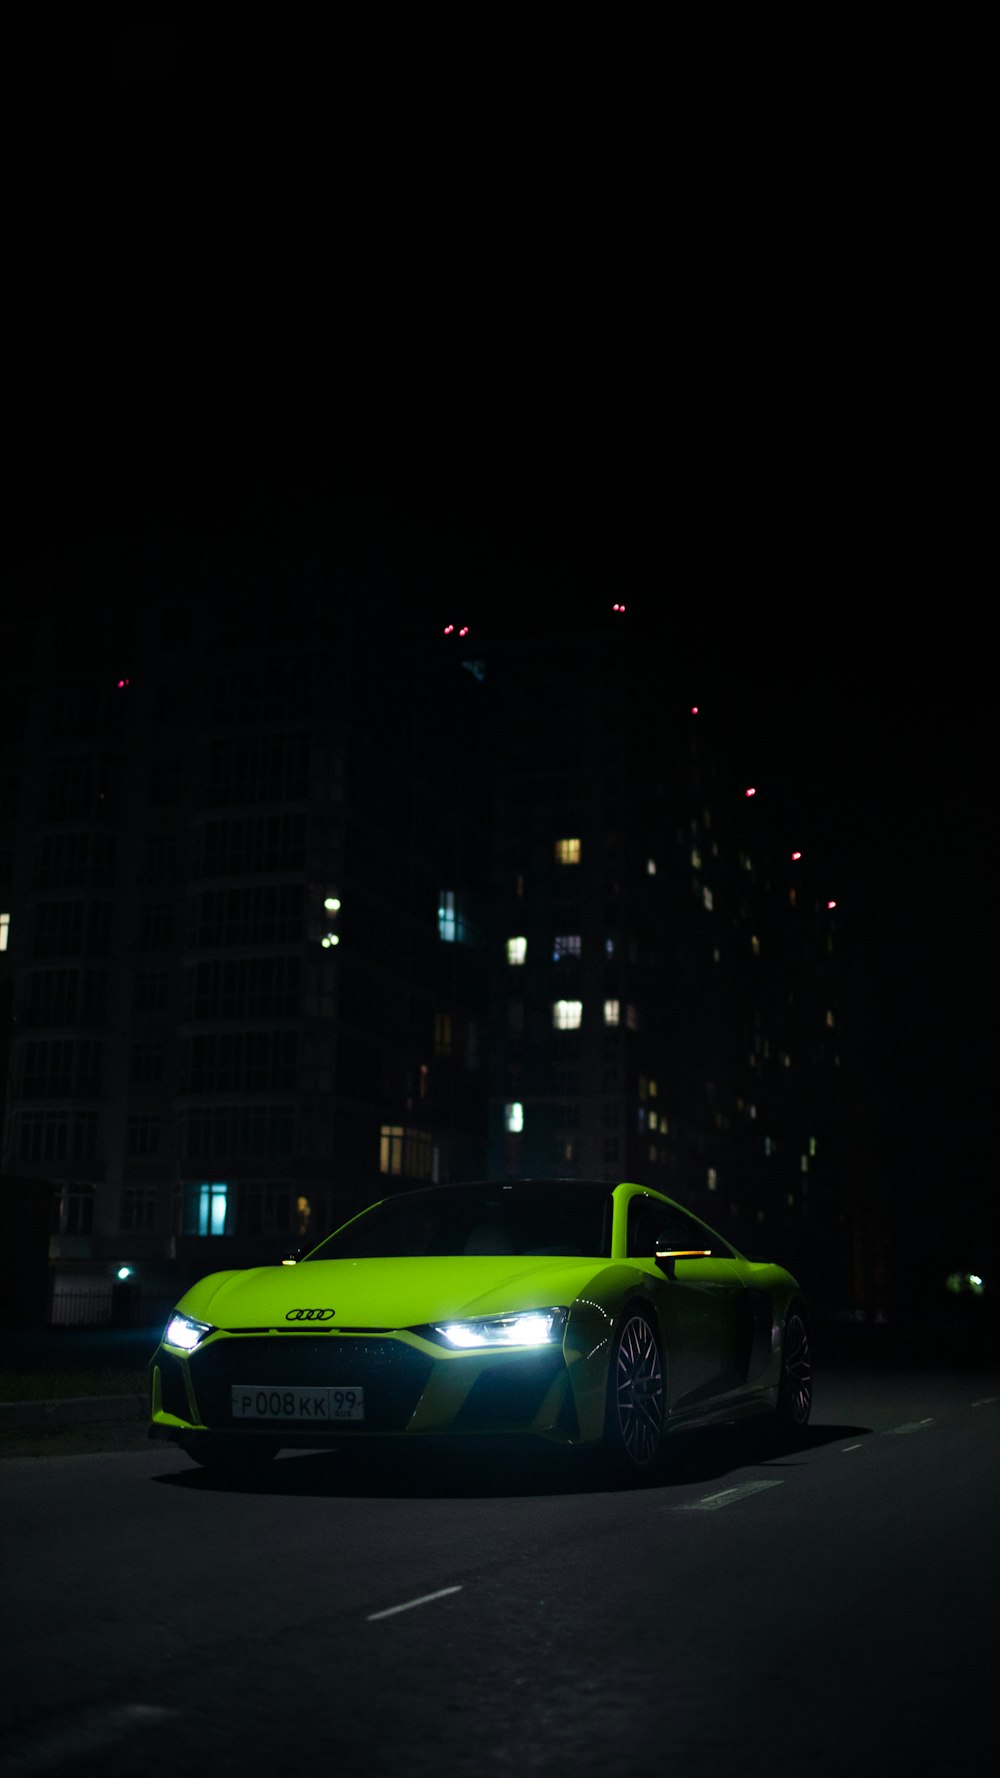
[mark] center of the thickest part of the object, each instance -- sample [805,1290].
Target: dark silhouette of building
[306,903]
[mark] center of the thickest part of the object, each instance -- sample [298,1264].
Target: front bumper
[411,1387]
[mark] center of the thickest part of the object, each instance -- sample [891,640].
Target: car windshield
[559,1217]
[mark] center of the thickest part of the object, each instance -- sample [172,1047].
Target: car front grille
[392,1374]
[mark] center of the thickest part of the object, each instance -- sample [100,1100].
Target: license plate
[307,1407]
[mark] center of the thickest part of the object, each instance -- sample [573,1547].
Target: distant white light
[332,904]
[124,1272]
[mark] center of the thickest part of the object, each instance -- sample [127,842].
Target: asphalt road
[830,1609]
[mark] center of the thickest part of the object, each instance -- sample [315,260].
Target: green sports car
[589,1314]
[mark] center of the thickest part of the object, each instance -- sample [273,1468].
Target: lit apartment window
[632,1018]
[755,945]
[205,1209]
[567,946]
[517,950]
[405,1151]
[712,1180]
[451,927]
[567,1015]
[651,867]
[612,1012]
[567,851]
[4,930]
[513,1116]
[706,896]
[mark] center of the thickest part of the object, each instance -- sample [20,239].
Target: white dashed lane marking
[984,1401]
[710,1503]
[411,1604]
[910,1426]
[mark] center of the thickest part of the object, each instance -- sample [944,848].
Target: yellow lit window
[567,851]
[567,1015]
[517,950]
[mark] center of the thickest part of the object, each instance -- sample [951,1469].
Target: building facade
[299,908]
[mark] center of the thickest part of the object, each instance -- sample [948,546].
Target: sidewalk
[117,1356]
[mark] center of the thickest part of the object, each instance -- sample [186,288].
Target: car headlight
[531,1327]
[185,1333]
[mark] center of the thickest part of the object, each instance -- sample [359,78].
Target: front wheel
[795,1388]
[637,1398]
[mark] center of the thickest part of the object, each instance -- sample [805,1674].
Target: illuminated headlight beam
[184,1333]
[532,1327]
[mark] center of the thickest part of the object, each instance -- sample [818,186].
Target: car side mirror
[667,1257]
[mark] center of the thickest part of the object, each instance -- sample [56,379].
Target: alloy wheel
[796,1378]
[638,1391]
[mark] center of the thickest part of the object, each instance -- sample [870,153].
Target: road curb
[80,1410]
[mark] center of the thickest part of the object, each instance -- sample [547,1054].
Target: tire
[637,1397]
[239,1455]
[795,1387]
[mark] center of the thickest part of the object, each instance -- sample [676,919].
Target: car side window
[652,1226]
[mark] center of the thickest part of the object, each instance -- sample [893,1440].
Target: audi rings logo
[310,1314]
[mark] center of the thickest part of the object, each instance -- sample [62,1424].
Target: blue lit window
[205,1209]
[567,946]
[453,925]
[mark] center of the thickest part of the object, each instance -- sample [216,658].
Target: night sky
[523,328]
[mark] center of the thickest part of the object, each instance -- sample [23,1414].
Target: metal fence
[111,1306]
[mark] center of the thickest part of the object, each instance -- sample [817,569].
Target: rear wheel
[637,1399]
[795,1388]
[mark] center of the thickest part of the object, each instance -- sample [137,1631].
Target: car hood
[385,1293]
